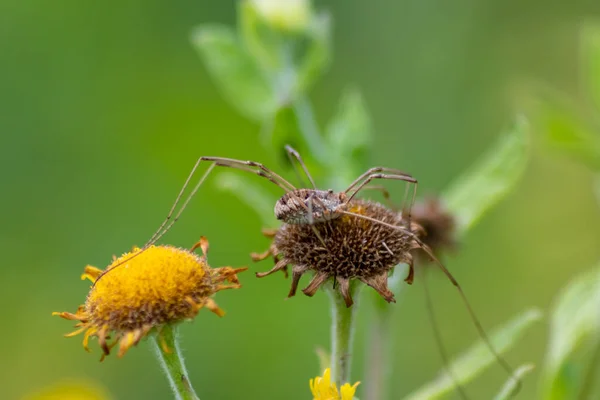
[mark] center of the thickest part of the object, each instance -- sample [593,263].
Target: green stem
[342,332]
[378,371]
[172,363]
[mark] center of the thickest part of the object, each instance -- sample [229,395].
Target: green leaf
[489,179]
[349,137]
[317,55]
[510,388]
[569,131]
[283,129]
[575,320]
[252,195]
[234,71]
[478,357]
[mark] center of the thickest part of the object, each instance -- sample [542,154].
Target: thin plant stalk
[169,355]
[342,335]
[378,371]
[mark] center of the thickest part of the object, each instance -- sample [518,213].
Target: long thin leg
[162,229]
[385,193]
[406,178]
[247,166]
[185,185]
[311,220]
[293,154]
[216,161]
[371,171]
[158,234]
[438,338]
[169,221]
[451,278]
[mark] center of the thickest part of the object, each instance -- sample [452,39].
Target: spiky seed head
[345,248]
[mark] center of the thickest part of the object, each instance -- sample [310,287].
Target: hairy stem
[378,371]
[342,333]
[168,353]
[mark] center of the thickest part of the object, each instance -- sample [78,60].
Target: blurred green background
[105,107]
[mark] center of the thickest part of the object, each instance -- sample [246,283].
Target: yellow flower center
[156,286]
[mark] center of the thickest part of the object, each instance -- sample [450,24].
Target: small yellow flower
[75,390]
[323,389]
[147,290]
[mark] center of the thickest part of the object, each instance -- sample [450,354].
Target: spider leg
[293,154]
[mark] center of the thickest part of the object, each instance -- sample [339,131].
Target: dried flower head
[345,248]
[161,285]
[323,389]
[438,226]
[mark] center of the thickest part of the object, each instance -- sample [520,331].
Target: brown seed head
[345,248]
[438,226]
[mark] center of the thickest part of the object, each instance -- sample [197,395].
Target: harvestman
[296,206]
[310,206]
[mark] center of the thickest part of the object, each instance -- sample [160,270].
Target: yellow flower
[323,389]
[147,290]
[76,390]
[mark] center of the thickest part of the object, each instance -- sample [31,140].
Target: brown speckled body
[294,207]
[349,247]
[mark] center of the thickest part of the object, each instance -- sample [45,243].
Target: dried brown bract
[345,248]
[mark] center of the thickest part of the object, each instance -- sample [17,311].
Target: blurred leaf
[291,60]
[489,179]
[575,319]
[234,72]
[318,52]
[568,131]
[349,137]
[258,200]
[478,357]
[591,60]
[509,390]
[284,129]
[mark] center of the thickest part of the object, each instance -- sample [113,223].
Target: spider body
[309,206]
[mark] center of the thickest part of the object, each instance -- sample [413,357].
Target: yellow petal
[348,391]
[92,273]
[77,332]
